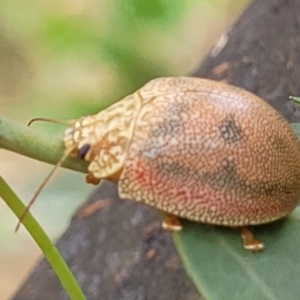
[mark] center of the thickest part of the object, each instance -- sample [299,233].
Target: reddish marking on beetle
[92,208]
[139,174]
[183,194]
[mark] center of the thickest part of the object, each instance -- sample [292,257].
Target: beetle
[195,149]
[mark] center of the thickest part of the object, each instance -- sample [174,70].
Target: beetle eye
[82,152]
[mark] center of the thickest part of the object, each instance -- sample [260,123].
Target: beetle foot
[171,223]
[250,242]
[89,178]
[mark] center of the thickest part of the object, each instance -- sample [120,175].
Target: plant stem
[37,233]
[37,145]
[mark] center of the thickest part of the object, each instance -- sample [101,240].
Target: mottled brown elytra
[195,149]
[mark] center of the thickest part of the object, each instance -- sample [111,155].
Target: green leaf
[296,128]
[222,269]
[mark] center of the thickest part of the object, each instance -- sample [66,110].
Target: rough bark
[116,248]
[261,54]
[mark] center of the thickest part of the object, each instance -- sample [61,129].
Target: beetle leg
[89,178]
[250,242]
[171,223]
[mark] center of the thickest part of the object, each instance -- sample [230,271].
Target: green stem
[37,145]
[37,233]
[295,99]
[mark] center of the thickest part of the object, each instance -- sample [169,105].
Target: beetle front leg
[171,223]
[90,178]
[250,242]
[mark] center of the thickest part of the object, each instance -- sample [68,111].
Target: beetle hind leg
[250,242]
[171,223]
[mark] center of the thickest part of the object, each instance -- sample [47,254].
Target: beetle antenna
[41,187]
[68,122]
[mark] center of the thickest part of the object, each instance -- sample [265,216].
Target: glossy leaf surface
[221,269]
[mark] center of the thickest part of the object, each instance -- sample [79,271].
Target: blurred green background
[63,59]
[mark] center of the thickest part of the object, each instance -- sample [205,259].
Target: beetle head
[103,139]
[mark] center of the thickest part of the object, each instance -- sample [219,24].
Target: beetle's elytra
[196,149]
